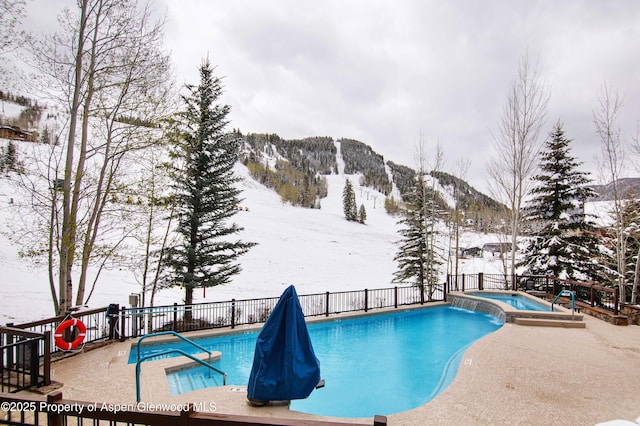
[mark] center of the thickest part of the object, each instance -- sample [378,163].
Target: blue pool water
[517,301]
[378,364]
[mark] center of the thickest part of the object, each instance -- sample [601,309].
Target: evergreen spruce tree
[10,157]
[417,263]
[564,244]
[349,202]
[362,214]
[205,195]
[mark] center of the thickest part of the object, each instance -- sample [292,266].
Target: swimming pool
[378,364]
[517,301]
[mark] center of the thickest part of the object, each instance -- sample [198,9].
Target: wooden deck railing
[53,410]
[588,293]
[24,359]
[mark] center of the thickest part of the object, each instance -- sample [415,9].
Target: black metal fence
[24,359]
[114,322]
[135,322]
[480,281]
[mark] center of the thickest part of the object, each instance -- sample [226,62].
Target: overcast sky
[387,72]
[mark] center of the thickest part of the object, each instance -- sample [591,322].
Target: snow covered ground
[316,250]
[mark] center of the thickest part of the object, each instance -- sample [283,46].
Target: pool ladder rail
[169,351]
[573,300]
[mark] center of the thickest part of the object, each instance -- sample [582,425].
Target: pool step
[557,316]
[549,322]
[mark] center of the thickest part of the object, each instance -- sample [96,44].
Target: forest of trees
[360,158]
[294,169]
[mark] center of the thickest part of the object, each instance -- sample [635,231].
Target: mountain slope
[628,188]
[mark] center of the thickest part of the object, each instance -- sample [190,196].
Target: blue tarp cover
[284,364]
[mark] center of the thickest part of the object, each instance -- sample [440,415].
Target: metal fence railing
[480,281]
[114,322]
[135,322]
[22,363]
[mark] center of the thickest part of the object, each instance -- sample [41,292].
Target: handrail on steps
[566,293]
[191,342]
[224,375]
[173,333]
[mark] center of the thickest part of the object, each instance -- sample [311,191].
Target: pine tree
[10,157]
[564,245]
[362,214]
[349,202]
[205,195]
[417,263]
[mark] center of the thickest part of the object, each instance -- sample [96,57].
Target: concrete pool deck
[516,375]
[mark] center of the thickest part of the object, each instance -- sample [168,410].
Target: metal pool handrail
[224,375]
[189,341]
[173,333]
[566,293]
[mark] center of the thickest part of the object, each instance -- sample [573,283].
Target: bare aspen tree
[11,13]
[434,260]
[129,105]
[517,145]
[611,165]
[109,68]
[154,221]
[430,211]
[462,168]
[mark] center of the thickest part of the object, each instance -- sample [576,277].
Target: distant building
[16,133]
[499,248]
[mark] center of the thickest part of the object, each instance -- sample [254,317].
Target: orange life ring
[71,322]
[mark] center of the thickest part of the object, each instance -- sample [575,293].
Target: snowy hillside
[317,250]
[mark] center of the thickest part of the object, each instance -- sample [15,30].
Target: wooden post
[47,358]
[186,414]
[53,418]
[480,281]
[379,420]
